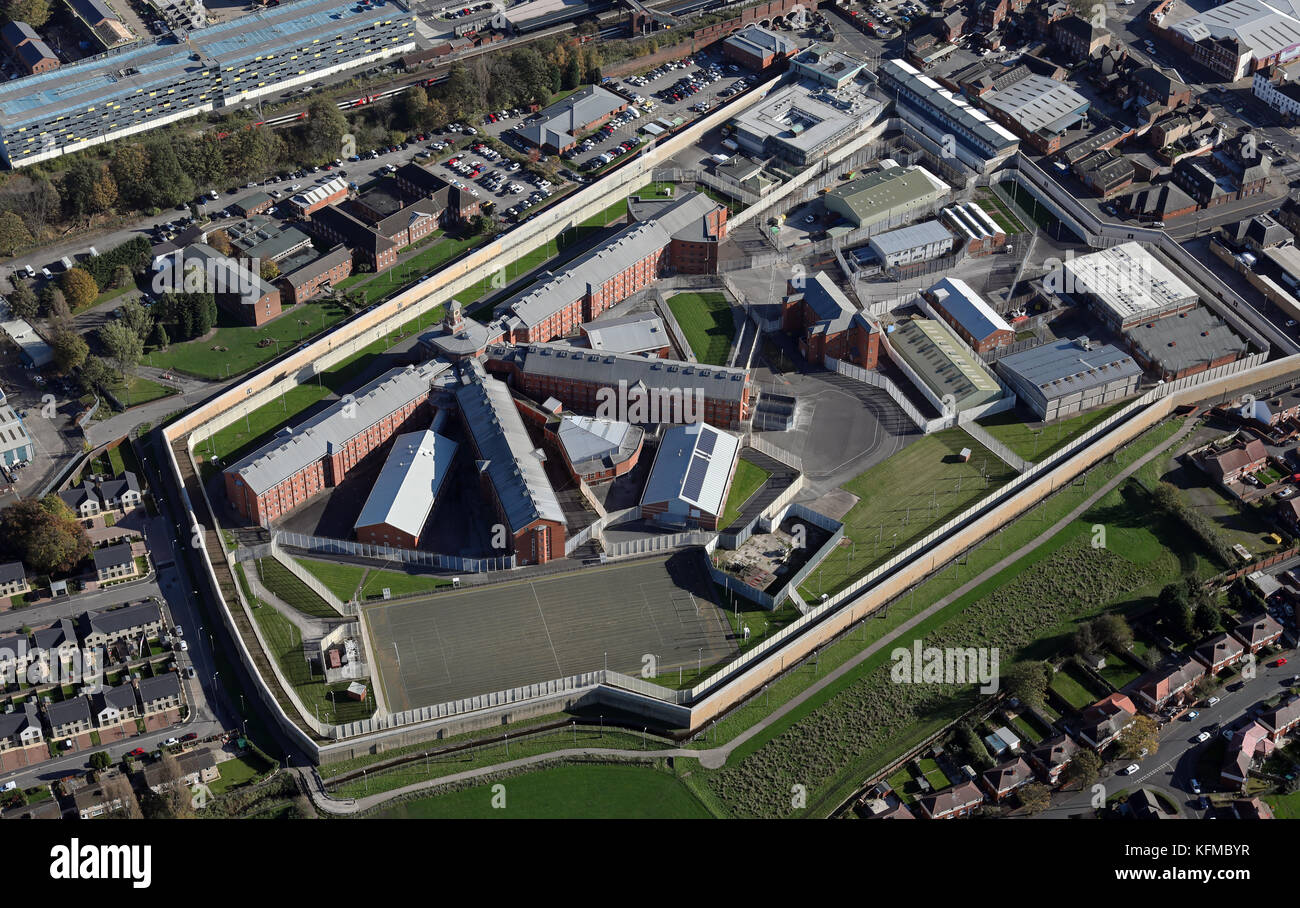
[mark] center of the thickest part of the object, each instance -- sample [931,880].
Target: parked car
[1131,769]
[1191,715]
[1212,701]
[1196,786]
[171,742]
[1201,739]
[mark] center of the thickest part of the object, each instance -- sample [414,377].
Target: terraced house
[143,619]
[143,85]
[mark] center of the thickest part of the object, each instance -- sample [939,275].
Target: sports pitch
[495,637]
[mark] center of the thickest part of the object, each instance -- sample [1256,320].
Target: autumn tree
[1085,768]
[1142,734]
[1034,797]
[34,12]
[78,287]
[1028,681]
[118,788]
[269,270]
[122,345]
[44,535]
[69,350]
[14,234]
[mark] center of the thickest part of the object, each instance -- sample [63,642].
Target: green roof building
[886,196]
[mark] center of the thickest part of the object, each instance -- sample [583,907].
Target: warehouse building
[1185,344]
[1237,38]
[803,121]
[511,467]
[907,246]
[756,48]
[15,443]
[974,320]
[691,476]
[1068,376]
[657,390]
[146,85]
[319,453]
[406,490]
[1039,110]
[563,125]
[1124,285]
[33,350]
[682,234]
[934,112]
[941,367]
[887,196]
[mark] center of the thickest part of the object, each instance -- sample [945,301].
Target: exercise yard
[504,635]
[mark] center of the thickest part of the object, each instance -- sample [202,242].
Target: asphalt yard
[491,638]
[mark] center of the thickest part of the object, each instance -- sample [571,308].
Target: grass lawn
[1001,214]
[400,583]
[234,349]
[1039,444]
[1026,729]
[110,294]
[1118,671]
[503,277]
[1029,204]
[417,267]
[239,771]
[325,701]
[705,319]
[136,390]
[1071,689]
[278,579]
[657,191]
[341,579]
[749,477]
[569,792]
[904,498]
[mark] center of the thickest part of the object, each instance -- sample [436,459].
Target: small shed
[357,691]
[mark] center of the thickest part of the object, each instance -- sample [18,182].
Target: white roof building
[1127,284]
[692,471]
[408,485]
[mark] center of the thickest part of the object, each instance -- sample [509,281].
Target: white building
[1283,96]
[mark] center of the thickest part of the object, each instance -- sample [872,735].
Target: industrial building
[1185,344]
[827,324]
[15,442]
[757,48]
[589,382]
[823,66]
[887,196]
[920,243]
[974,320]
[676,234]
[1124,285]
[978,141]
[511,467]
[563,125]
[941,366]
[1039,110]
[691,476]
[1236,38]
[406,490]
[306,459]
[142,86]
[982,234]
[1068,376]
[803,121]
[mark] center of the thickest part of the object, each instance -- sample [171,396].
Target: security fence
[325,545]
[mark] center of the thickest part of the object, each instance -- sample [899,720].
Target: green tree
[55,305]
[100,760]
[122,345]
[160,338]
[1206,618]
[22,301]
[78,287]
[14,234]
[1034,797]
[95,375]
[1175,611]
[1084,769]
[166,183]
[34,12]
[1113,632]
[69,349]
[137,318]
[270,270]
[123,276]
[324,130]
[44,535]
[1028,682]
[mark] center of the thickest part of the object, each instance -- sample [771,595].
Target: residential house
[15,655]
[144,619]
[92,801]
[1281,720]
[1245,745]
[1231,463]
[160,693]
[1258,633]
[1103,722]
[1052,756]
[1220,652]
[58,640]
[953,802]
[113,706]
[13,579]
[20,730]
[81,500]
[1170,684]
[115,562]
[122,493]
[196,766]
[70,718]
[1144,805]
[1005,778]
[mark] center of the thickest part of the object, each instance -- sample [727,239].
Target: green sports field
[705,319]
[588,792]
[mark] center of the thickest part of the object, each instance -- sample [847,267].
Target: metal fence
[310,580]
[879,380]
[324,544]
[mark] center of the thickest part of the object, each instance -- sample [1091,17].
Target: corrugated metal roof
[1063,367]
[633,334]
[717,382]
[409,482]
[923,234]
[587,438]
[967,308]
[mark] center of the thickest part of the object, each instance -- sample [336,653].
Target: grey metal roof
[588,440]
[967,308]
[1037,102]
[943,363]
[120,619]
[505,451]
[949,106]
[834,310]
[1187,339]
[878,195]
[253,200]
[559,124]
[297,447]
[1128,281]
[113,555]
[409,482]
[632,334]
[16,33]
[759,41]
[34,52]
[65,712]
[717,382]
[166,684]
[1063,367]
[905,238]
[693,467]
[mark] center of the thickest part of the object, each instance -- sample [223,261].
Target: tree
[435,114]
[220,241]
[270,270]
[571,74]
[122,345]
[123,276]
[69,350]
[166,183]
[970,740]
[1113,631]
[95,374]
[175,793]
[324,130]
[160,338]
[1206,686]
[130,169]
[137,318]
[34,12]
[1139,739]
[1034,797]
[1083,642]
[1175,611]
[118,788]
[1206,618]
[1027,682]
[103,191]
[100,760]
[57,310]
[44,535]
[14,234]
[1084,768]
[22,301]
[79,288]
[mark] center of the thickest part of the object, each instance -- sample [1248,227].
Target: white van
[636,114]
